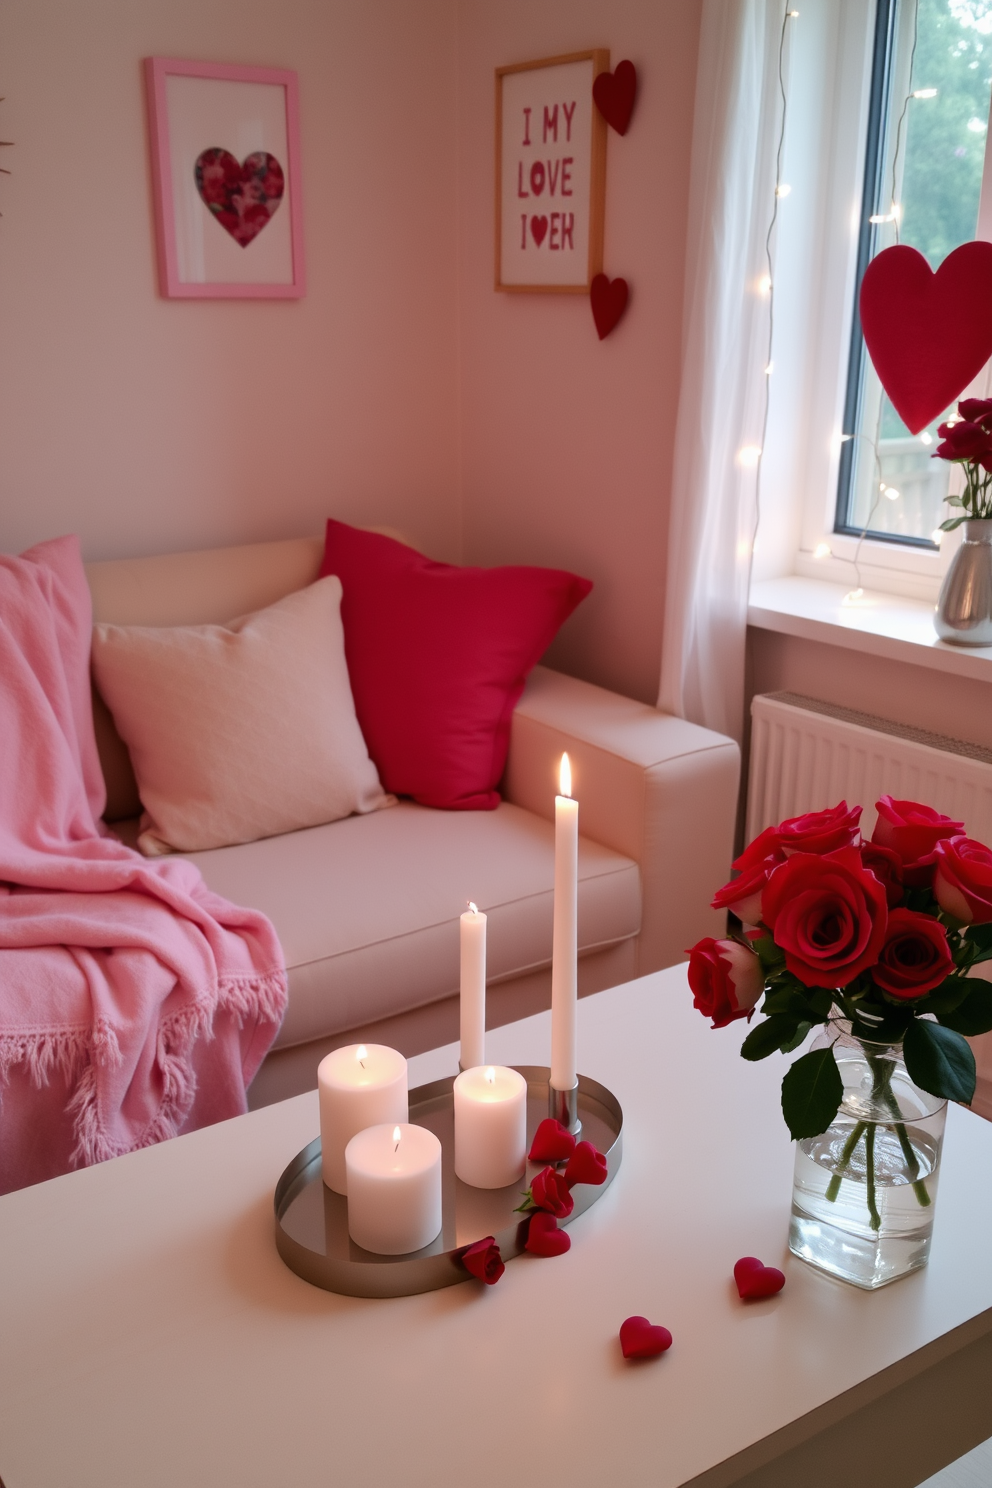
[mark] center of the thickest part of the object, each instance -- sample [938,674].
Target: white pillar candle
[473,988]
[358,1086]
[394,1188]
[490,1126]
[564,969]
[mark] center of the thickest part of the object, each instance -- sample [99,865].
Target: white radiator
[807,755]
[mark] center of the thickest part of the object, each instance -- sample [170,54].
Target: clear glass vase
[864,1190]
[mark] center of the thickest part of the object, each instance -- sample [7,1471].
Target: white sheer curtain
[724,356]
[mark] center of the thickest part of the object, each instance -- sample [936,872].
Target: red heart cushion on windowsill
[437,657]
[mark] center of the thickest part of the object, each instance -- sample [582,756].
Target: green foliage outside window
[944,137]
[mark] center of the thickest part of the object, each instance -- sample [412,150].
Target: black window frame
[872,203]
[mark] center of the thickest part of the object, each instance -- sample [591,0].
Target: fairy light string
[893,216]
[781,190]
[753,455]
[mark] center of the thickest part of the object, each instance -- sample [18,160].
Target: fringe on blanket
[76,1054]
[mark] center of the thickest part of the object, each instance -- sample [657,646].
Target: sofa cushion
[238,731]
[367,909]
[438,656]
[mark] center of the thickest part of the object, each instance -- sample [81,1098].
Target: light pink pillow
[242,730]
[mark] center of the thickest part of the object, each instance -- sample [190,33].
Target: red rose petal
[754,1279]
[544,1238]
[641,1339]
[552,1143]
[484,1260]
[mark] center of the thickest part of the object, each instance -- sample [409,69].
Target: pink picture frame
[225,157]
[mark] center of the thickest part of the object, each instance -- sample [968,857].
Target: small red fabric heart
[484,1260]
[544,1238]
[928,334]
[538,227]
[550,1191]
[614,94]
[586,1165]
[609,301]
[754,1279]
[640,1339]
[552,1143]
[241,197]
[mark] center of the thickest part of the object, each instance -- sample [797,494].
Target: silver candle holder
[563,1106]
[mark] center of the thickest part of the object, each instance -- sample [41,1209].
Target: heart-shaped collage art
[240,196]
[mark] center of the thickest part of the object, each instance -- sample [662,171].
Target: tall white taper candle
[473,988]
[564,982]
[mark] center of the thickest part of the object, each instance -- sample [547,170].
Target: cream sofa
[367,908]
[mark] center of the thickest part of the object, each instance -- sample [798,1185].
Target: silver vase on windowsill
[964,608]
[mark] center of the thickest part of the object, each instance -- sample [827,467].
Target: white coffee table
[151,1336]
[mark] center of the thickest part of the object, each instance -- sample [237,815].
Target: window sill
[877,624]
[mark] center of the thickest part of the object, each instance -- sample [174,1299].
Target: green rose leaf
[797,1038]
[974,1014]
[767,951]
[783,1000]
[821,1000]
[981,936]
[948,997]
[774,1033]
[939,1060]
[811,1093]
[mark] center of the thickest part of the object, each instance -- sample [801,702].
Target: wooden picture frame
[225,152]
[550,149]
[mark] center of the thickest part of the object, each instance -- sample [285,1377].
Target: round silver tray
[312,1221]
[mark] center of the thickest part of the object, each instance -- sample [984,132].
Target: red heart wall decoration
[242,198]
[609,301]
[928,334]
[614,95]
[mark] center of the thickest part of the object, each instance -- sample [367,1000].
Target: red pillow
[438,656]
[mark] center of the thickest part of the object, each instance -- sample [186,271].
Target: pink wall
[566,440]
[148,424]
[402,390]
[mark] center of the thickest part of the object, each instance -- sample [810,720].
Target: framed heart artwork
[225,149]
[550,174]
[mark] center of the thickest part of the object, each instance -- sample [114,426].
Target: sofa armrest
[656,788]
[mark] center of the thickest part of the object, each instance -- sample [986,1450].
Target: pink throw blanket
[134,1003]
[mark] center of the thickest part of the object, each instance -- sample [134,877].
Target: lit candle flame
[396,1139]
[491,1075]
[473,907]
[361,1054]
[565,777]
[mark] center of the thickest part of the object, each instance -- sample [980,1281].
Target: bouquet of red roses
[968,442]
[887,935]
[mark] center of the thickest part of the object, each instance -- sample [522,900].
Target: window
[927,120]
[848,73]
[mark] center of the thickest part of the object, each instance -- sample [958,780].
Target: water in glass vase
[864,1190]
